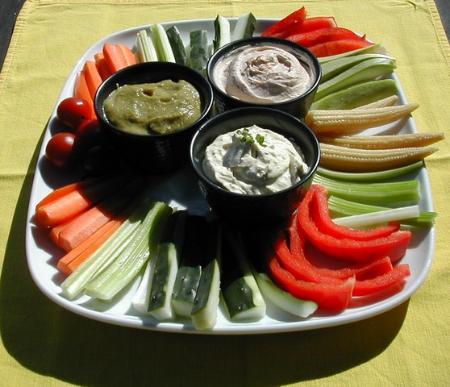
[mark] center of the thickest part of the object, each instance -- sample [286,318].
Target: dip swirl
[153,108]
[262,74]
[253,161]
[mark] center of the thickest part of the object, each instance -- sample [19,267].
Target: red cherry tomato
[73,111]
[59,148]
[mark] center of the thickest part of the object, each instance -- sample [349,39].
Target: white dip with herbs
[253,161]
[261,74]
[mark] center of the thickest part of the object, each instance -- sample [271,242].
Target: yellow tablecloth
[42,344]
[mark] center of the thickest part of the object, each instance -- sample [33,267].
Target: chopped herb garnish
[260,139]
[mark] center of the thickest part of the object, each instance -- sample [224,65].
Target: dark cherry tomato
[88,134]
[59,148]
[73,111]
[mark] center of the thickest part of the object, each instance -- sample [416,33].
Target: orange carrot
[54,234]
[101,65]
[130,58]
[82,91]
[84,250]
[84,225]
[56,194]
[93,78]
[114,58]
[82,197]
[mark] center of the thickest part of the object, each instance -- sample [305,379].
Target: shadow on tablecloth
[48,340]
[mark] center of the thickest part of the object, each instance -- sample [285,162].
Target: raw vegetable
[93,78]
[63,191]
[222,32]
[365,71]
[161,283]
[131,260]
[312,24]
[393,245]
[328,226]
[206,301]
[199,50]
[117,57]
[344,122]
[59,149]
[177,45]
[332,68]
[145,48]
[284,300]
[379,217]
[74,285]
[73,111]
[388,101]
[338,47]
[101,65]
[370,176]
[127,54]
[342,207]
[388,194]
[189,272]
[244,28]
[240,292]
[82,91]
[357,95]
[385,142]
[382,282]
[283,27]
[361,160]
[162,45]
[311,38]
[373,49]
[84,250]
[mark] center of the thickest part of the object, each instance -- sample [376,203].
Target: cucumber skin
[199,52]
[160,273]
[178,49]
[365,71]
[238,297]
[185,289]
[357,95]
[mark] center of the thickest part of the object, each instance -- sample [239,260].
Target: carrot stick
[114,57]
[93,78]
[74,202]
[130,58]
[82,91]
[101,65]
[84,250]
[56,194]
[54,234]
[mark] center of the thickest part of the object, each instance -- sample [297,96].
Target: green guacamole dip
[153,108]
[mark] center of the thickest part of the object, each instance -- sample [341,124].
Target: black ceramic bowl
[297,106]
[241,208]
[154,153]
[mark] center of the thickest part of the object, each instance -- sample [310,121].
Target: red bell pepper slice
[357,302]
[312,38]
[327,226]
[332,298]
[281,28]
[312,24]
[382,282]
[361,271]
[338,47]
[393,245]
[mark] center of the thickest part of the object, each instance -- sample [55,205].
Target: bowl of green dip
[151,111]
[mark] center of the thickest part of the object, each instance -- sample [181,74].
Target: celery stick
[357,95]
[375,49]
[143,244]
[365,71]
[110,250]
[161,41]
[379,217]
[388,194]
[145,48]
[341,207]
[370,176]
[222,32]
[244,28]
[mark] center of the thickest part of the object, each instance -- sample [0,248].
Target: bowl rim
[209,100]
[240,111]
[226,49]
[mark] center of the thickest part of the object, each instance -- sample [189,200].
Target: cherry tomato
[73,111]
[88,134]
[59,148]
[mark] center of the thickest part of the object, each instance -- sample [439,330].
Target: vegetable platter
[180,190]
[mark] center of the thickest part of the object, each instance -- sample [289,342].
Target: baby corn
[388,101]
[363,160]
[342,122]
[385,142]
